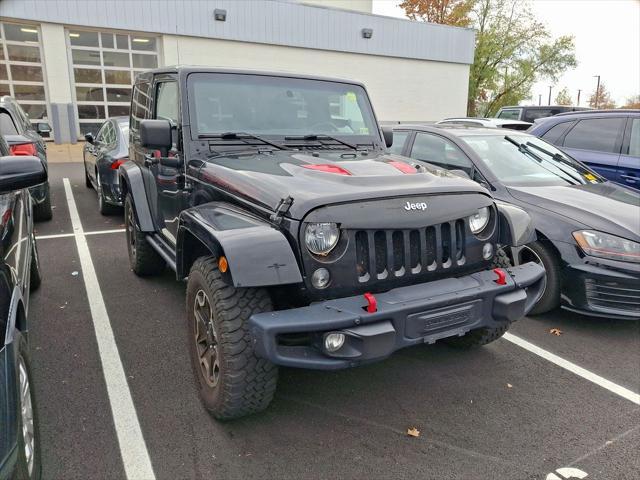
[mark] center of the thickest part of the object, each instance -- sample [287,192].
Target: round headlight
[479,220]
[321,238]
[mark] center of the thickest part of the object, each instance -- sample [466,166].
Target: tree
[513,51]
[447,12]
[563,97]
[632,102]
[601,98]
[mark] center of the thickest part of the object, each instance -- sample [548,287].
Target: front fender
[516,226]
[258,254]
[131,178]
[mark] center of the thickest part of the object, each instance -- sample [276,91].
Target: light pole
[578,102]
[540,99]
[550,87]
[597,90]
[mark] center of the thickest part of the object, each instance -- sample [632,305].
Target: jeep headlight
[479,220]
[321,238]
[605,245]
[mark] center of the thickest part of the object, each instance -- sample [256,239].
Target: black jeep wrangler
[303,242]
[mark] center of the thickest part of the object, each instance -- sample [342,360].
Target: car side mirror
[155,134]
[89,138]
[43,127]
[17,172]
[387,133]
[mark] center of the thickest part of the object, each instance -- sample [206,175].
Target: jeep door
[169,179]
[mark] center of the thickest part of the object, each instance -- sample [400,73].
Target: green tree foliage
[601,98]
[513,51]
[447,12]
[563,97]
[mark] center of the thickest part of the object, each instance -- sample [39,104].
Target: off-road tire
[35,276]
[550,299]
[477,337]
[42,211]
[246,383]
[22,470]
[143,259]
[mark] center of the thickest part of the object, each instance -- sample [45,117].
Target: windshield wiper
[527,151]
[320,137]
[561,158]
[241,136]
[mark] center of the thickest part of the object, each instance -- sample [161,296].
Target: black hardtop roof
[452,130]
[184,70]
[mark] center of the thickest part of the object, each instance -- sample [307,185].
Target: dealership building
[71,63]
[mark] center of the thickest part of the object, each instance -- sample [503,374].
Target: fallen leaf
[556,331]
[509,385]
[413,432]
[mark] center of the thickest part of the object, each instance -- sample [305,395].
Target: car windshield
[263,105]
[536,163]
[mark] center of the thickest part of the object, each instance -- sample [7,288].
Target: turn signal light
[223,265]
[28,149]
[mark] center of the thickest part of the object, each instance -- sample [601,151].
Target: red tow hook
[502,276]
[372,303]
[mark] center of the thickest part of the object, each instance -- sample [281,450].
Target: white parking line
[133,449]
[573,368]
[63,235]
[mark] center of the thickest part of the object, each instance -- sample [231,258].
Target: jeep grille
[381,254]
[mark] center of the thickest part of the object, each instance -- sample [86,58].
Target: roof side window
[597,134]
[555,133]
[634,141]
[167,101]
[510,114]
[530,115]
[139,104]
[7,127]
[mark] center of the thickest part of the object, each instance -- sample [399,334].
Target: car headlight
[605,245]
[321,238]
[479,220]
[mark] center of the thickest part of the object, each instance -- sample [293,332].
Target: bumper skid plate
[405,316]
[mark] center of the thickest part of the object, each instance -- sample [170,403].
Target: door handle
[630,178]
[150,160]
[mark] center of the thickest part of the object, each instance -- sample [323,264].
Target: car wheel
[477,337]
[42,211]
[28,466]
[103,207]
[35,276]
[143,259]
[87,180]
[232,380]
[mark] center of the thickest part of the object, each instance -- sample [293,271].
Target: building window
[21,69]
[104,66]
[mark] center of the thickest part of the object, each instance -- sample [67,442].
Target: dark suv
[606,140]
[303,241]
[24,139]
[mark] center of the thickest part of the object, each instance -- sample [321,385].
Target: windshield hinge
[281,210]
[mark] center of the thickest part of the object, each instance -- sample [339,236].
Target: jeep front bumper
[405,316]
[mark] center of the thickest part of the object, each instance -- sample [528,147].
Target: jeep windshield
[277,107]
[524,160]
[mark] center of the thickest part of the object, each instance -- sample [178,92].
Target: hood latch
[281,210]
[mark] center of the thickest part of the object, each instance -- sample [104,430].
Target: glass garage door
[104,65]
[21,69]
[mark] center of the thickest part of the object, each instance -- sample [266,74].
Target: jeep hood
[267,178]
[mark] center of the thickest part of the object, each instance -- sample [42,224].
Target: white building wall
[400,89]
[365,6]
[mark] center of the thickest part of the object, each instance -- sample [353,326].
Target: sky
[607,40]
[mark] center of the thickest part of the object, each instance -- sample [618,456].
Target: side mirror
[155,134]
[43,127]
[89,138]
[17,172]
[387,133]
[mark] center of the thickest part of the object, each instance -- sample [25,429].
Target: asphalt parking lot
[499,412]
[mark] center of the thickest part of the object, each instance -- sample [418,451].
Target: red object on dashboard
[23,149]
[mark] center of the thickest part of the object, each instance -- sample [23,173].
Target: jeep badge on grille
[415,206]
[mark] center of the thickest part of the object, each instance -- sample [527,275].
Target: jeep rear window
[259,104]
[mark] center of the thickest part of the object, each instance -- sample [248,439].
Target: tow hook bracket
[502,276]
[372,303]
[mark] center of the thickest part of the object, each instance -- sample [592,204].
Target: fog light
[321,278]
[333,342]
[487,251]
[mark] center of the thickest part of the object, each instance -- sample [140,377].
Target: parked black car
[608,141]
[303,242]
[19,273]
[102,156]
[24,139]
[588,228]
[531,113]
